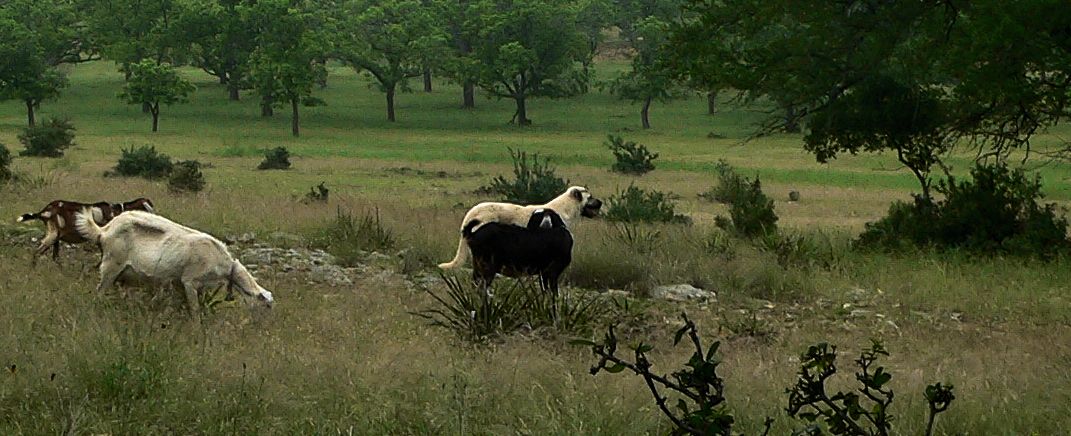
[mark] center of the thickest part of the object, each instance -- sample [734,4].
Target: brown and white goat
[59,218]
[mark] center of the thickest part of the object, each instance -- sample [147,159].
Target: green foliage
[997,211]
[130,31]
[186,176]
[152,84]
[350,239]
[49,139]
[639,205]
[5,164]
[861,83]
[318,193]
[534,181]
[802,250]
[858,413]
[391,40]
[731,185]
[700,408]
[478,314]
[277,158]
[631,158]
[285,66]
[526,48]
[38,36]
[143,161]
[217,38]
[751,212]
[647,80]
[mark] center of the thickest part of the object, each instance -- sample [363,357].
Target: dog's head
[589,205]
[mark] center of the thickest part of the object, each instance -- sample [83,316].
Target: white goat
[166,252]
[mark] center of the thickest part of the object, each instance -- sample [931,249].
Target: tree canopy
[917,78]
[151,84]
[528,48]
[390,40]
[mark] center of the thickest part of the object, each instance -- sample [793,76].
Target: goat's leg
[46,242]
[109,273]
[191,286]
[55,251]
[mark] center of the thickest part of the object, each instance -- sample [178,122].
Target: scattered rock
[793,196]
[681,292]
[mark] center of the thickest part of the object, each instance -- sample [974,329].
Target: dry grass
[353,360]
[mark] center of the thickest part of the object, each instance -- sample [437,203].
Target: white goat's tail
[86,226]
[460,258]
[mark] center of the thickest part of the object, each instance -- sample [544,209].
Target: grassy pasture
[352,360]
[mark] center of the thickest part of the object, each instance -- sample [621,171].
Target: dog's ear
[579,196]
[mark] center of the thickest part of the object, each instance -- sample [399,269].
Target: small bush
[186,176]
[5,164]
[277,158]
[701,407]
[534,181]
[997,211]
[476,314]
[730,187]
[639,205]
[317,194]
[751,213]
[350,239]
[800,250]
[636,237]
[629,157]
[48,139]
[612,266]
[143,161]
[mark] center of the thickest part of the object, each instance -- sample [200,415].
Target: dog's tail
[462,249]
[27,217]
[86,226]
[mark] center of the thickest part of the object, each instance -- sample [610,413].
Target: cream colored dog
[570,205]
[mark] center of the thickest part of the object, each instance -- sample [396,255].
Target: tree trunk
[29,112]
[468,94]
[390,103]
[644,111]
[223,78]
[792,125]
[712,103]
[265,106]
[155,117]
[427,79]
[522,113]
[294,117]
[232,88]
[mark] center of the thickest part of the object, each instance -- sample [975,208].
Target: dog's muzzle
[591,208]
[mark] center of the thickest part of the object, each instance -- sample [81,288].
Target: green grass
[352,359]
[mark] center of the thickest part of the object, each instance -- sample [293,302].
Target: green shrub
[639,205]
[5,163]
[997,211]
[629,157]
[701,407]
[186,177]
[730,187]
[143,161]
[317,193]
[476,314]
[751,213]
[47,139]
[277,158]
[534,181]
[350,239]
